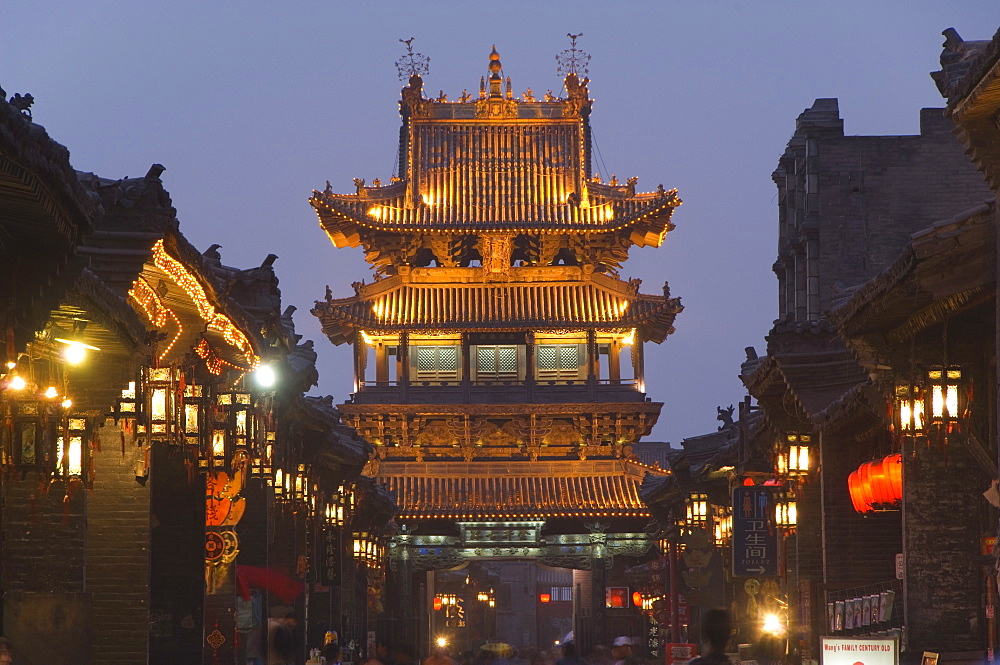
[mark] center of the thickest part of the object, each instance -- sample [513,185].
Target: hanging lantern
[785,510]
[71,454]
[792,457]
[696,511]
[909,407]
[32,427]
[196,420]
[279,484]
[368,549]
[944,397]
[267,459]
[127,407]
[161,390]
[722,525]
[877,485]
[299,483]
[233,427]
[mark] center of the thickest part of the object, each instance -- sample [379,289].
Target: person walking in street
[281,640]
[569,656]
[621,651]
[439,657]
[716,627]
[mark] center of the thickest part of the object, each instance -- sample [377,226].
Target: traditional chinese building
[156,501]
[498,354]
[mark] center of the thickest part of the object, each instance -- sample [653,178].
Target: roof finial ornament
[572,60]
[412,64]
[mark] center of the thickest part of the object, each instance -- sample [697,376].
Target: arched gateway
[498,356]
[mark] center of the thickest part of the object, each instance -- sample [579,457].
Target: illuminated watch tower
[498,355]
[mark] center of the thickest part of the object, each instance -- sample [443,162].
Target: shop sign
[680,654]
[859,651]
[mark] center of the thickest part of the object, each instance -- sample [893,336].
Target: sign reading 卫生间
[755,540]
[852,651]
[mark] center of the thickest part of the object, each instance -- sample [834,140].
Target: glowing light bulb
[74,353]
[67,403]
[265,376]
[17,383]
[772,625]
[51,392]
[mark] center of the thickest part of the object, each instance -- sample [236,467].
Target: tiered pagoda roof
[398,302]
[494,165]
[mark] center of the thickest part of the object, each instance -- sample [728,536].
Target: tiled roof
[387,211]
[455,490]
[594,303]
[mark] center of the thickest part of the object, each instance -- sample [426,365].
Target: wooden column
[359,368]
[614,361]
[404,365]
[593,362]
[466,369]
[598,581]
[381,365]
[529,366]
[592,365]
[405,581]
[638,365]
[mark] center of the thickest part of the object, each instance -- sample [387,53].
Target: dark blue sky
[251,105]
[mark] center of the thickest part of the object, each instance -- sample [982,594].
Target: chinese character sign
[755,540]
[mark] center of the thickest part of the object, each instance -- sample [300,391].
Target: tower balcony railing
[485,391]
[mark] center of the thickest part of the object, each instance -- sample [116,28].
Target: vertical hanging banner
[755,540]
[329,568]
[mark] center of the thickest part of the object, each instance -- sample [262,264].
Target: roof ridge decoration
[412,64]
[572,60]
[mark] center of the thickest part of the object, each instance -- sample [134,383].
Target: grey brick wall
[43,547]
[943,587]
[858,199]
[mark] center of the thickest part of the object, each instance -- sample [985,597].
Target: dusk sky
[251,105]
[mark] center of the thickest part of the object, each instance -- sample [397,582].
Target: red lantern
[438,603]
[637,598]
[893,465]
[544,597]
[857,498]
[877,484]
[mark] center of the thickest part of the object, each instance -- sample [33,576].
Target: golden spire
[495,65]
[495,68]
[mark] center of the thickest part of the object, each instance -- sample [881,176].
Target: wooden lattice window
[558,362]
[496,363]
[437,363]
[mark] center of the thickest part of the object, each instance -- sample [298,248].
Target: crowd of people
[716,629]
